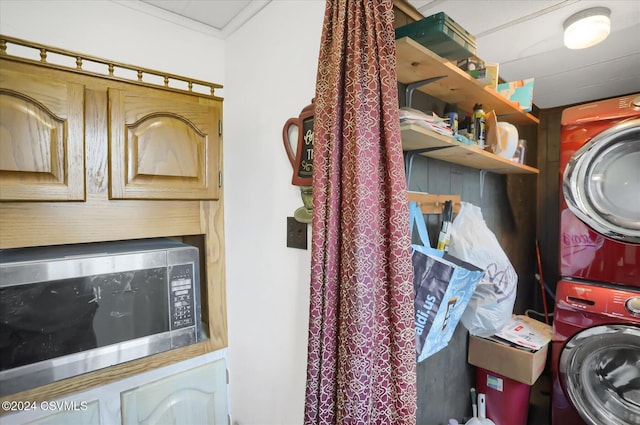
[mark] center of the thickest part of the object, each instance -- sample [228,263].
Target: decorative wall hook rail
[431,203]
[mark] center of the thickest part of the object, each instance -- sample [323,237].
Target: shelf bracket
[411,87]
[409,155]
[483,173]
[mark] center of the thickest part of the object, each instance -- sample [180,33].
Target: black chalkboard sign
[305,166]
[302,159]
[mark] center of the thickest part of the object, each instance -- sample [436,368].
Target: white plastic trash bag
[491,305]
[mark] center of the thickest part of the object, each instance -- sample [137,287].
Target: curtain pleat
[361,355]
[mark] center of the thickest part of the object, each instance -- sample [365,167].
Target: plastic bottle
[521,150]
[451,113]
[464,127]
[478,125]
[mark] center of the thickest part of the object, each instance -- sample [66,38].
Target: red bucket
[507,400]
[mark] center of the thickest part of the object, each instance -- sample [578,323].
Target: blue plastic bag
[443,286]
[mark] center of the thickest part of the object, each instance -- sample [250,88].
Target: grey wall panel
[508,206]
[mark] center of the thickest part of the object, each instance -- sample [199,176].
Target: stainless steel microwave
[72,309]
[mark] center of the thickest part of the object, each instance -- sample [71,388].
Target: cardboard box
[488,76]
[519,364]
[471,63]
[520,91]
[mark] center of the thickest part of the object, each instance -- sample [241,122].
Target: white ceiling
[524,37]
[218,17]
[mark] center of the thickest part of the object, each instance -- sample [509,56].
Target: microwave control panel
[182,297]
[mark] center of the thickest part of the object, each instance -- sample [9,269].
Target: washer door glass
[600,372]
[602,182]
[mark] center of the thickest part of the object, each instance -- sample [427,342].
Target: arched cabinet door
[41,136]
[193,396]
[163,145]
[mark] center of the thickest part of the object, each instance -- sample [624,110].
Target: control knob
[633,306]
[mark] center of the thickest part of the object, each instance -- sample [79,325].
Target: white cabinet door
[192,392]
[194,396]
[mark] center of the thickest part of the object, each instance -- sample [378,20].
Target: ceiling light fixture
[587,28]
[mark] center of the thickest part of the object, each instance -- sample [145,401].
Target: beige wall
[268,68]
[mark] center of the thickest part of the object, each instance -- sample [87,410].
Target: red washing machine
[596,340]
[596,355]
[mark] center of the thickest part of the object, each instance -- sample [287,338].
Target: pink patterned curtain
[362,360]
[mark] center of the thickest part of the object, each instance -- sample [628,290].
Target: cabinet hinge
[219,127]
[219,178]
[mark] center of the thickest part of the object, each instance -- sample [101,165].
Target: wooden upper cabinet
[163,145]
[41,136]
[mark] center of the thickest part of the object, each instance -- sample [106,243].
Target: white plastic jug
[475,420]
[507,140]
[482,410]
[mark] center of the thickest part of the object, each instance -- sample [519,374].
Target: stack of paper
[519,331]
[431,122]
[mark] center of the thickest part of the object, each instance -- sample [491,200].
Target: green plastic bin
[442,35]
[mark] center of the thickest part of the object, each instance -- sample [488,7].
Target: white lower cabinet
[192,392]
[195,396]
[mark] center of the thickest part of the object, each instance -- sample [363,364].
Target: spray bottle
[478,125]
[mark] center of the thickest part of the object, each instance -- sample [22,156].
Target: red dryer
[596,331]
[600,199]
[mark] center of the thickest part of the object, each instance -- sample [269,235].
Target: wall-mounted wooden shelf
[415,137]
[415,62]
